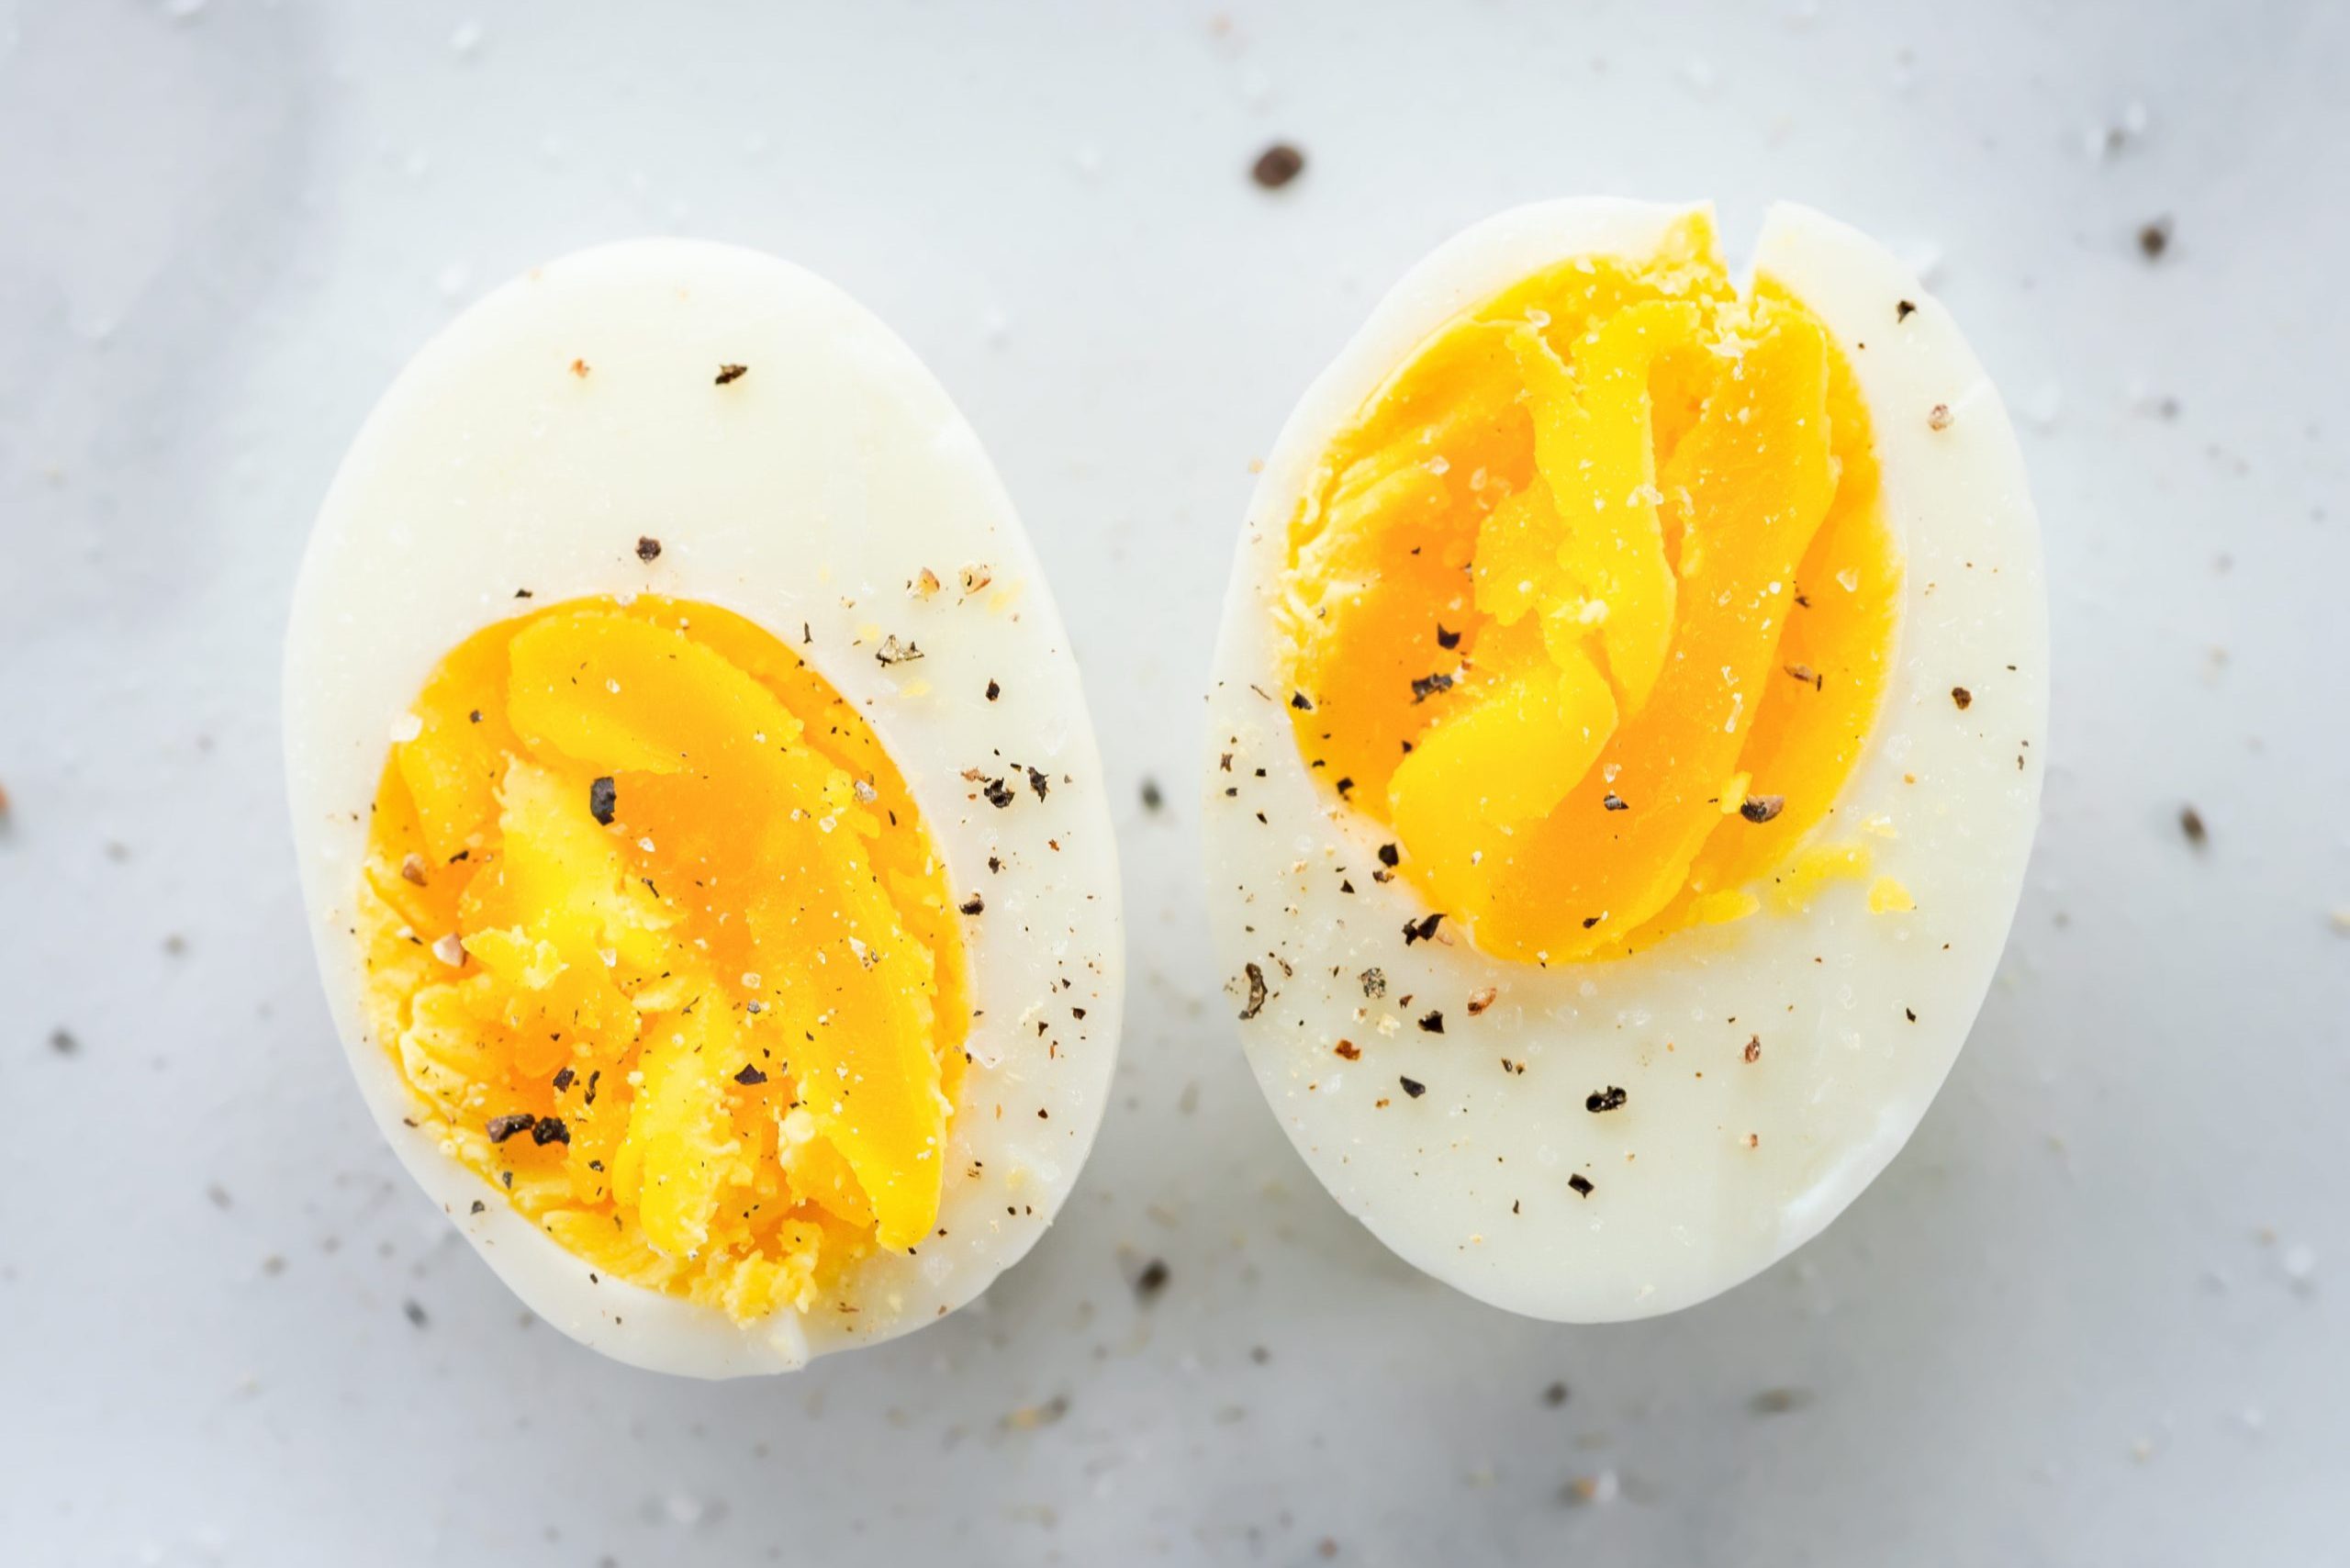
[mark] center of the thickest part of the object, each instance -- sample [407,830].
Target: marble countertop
[2094,1314]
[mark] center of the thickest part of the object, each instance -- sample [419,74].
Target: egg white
[805,495]
[1469,1180]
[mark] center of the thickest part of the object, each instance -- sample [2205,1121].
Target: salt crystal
[2042,405]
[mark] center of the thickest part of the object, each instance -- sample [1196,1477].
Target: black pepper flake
[1591,920]
[1038,782]
[973,904]
[479,1207]
[1614,801]
[1151,1281]
[1428,686]
[1151,798]
[998,792]
[2190,822]
[2153,239]
[1421,930]
[550,1130]
[603,799]
[1963,697]
[1345,788]
[1301,702]
[563,1080]
[1761,808]
[1903,312]
[750,1077]
[500,1128]
[1412,1087]
[1390,855]
[592,1077]
[1444,639]
[727,372]
[1374,982]
[1609,1099]
[474,716]
[1555,1395]
[1432,1022]
[994,691]
[1910,1013]
[1807,675]
[1277,166]
[1256,992]
[1580,1183]
[415,1311]
[648,549]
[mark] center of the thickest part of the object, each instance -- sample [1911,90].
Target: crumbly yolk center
[656,933]
[1593,604]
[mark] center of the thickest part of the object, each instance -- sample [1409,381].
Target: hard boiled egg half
[699,813]
[1627,739]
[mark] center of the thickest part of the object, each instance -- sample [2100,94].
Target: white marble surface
[2096,1314]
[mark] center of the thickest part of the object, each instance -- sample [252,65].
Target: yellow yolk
[654,929]
[1593,604]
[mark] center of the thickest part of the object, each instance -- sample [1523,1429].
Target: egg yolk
[655,932]
[1593,602]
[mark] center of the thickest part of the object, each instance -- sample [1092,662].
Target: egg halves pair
[1623,755]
